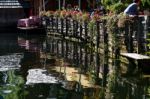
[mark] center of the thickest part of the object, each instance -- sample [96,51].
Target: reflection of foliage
[16,84]
[112,82]
[92,73]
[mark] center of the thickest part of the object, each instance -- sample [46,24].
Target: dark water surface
[22,69]
[26,71]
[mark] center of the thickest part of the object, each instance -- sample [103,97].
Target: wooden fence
[103,37]
[96,46]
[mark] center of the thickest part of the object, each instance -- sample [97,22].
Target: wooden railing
[98,45]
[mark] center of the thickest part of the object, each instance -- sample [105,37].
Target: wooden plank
[135,56]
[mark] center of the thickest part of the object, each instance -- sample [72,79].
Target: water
[36,67]
[24,72]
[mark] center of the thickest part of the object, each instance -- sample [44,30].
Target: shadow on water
[35,67]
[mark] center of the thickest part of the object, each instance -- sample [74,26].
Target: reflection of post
[85,61]
[44,5]
[64,68]
[79,3]
[59,4]
[64,3]
[66,53]
[80,56]
[80,81]
[80,77]
[5,77]
[61,65]
[62,48]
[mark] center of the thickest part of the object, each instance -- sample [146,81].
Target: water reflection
[10,61]
[30,45]
[78,72]
[12,78]
[40,76]
[79,55]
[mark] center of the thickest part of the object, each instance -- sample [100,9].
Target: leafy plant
[118,7]
[145,4]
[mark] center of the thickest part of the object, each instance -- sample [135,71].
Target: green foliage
[106,2]
[118,7]
[145,4]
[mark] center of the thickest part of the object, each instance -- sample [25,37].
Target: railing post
[97,53]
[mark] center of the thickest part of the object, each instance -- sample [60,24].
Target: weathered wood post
[97,53]
[128,36]
[74,28]
[129,44]
[86,29]
[81,30]
[105,57]
[77,26]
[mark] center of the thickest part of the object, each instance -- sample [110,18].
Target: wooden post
[105,58]
[97,54]
[73,34]
[81,30]
[86,31]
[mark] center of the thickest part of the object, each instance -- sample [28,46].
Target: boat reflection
[31,45]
